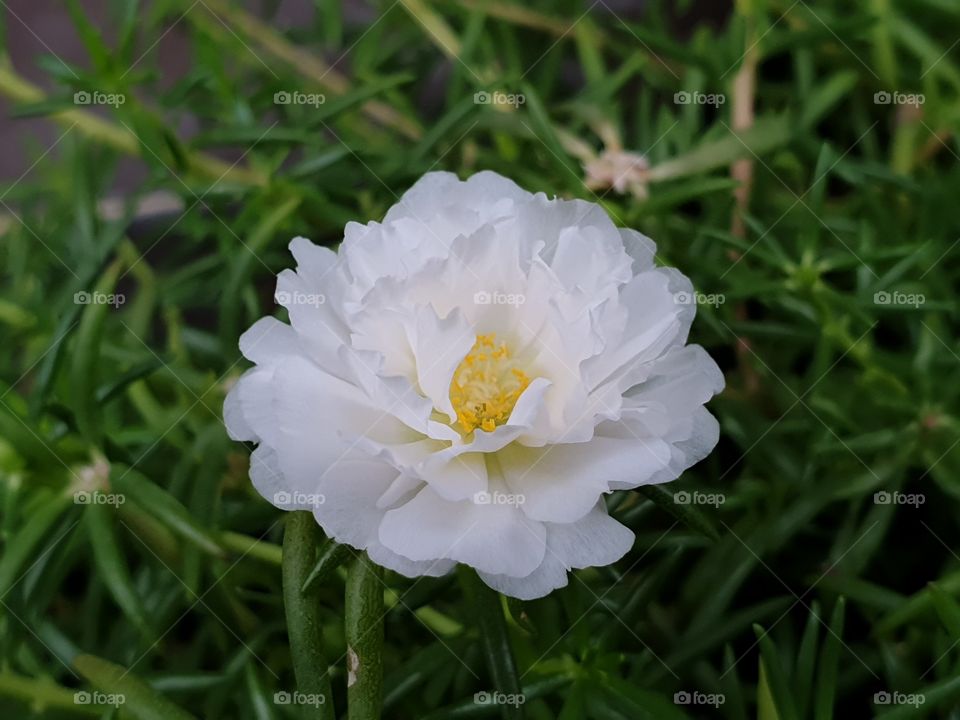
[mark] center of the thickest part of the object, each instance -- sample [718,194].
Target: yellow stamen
[486,385]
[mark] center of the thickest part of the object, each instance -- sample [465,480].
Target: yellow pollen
[486,385]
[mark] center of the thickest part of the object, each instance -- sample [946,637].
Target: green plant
[815,216]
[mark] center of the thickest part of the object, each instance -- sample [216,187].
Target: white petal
[400,491]
[490,195]
[314,318]
[455,478]
[440,346]
[268,480]
[249,410]
[682,379]
[237,426]
[655,320]
[395,249]
[593,541]
[350,489]
[269,340]
[530,410]
[639,247]
[408,568]
[314,262]
[495,538]
[561,483]
[305,399]
[691,439]
[579,264]
[395,396]
[550,575]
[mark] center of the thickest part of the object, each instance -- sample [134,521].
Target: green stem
[488,611]
[364,631]
[304,626]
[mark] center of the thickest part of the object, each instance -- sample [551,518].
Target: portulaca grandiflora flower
[464,381]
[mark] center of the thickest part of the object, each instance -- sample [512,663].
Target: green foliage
[136,557]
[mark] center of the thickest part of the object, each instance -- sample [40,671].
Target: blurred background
[797,159]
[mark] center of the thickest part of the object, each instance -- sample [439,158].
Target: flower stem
[488,611]
[304,626]
[364,631]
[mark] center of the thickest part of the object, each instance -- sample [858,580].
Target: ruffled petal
[494,538]
[593,541]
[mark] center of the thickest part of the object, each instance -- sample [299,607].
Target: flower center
[486,385]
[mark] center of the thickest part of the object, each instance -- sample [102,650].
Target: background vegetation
[820,215]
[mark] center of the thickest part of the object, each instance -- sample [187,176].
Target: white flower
[484,365]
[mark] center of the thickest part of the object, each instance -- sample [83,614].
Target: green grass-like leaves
[824,569]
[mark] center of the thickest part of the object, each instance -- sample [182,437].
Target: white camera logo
[499,98]
[485,297]
[283,97]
